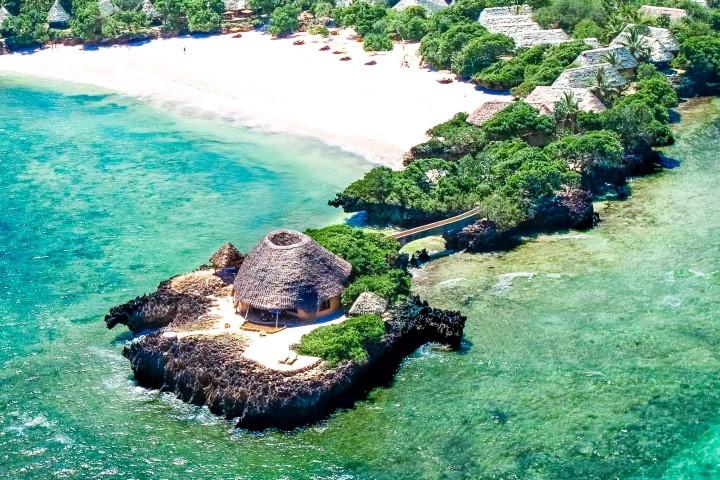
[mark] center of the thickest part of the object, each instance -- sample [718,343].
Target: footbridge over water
[449,225]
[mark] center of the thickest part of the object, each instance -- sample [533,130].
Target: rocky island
[264,339]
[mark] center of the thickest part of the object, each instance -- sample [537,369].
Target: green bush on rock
[348,340]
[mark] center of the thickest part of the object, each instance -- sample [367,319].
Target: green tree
[173,14]
[480,53]
[377,42]
[593,150]
[566,112]
[204,15]
[703,58]
[284,20]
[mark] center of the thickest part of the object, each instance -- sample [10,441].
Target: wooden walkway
[418,231]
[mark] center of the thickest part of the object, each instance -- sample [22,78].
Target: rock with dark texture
[210,370]
[481,236]
[570,209]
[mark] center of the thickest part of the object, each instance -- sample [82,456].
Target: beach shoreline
[376,111]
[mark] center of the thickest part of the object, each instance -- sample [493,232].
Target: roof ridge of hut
[57,13]
[431,6]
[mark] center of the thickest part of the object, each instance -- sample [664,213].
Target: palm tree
[566,111]
[612,58]
[636,42]
[603,87]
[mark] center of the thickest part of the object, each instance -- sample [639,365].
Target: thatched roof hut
[675,14]
[431,6]
[660,42]
[544,99]
[584,77]
[107,8]
[623,59]
[531,38]
[227,256]
[150,11]
[368,303]
[517,23]
[287,270]
[486,111]
[57,16]
[4,14]
[235,5]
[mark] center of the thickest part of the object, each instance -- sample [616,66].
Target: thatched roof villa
[544,99]
[4,14]
[107,8]
[58,17]
[585,77]
[530,38]
[431,6]
[150,11]
[675,14]
[289,273]
[227,256]
[623,60]
[516,22]
[486,111]
[660,42]
[368,303]
[235,6]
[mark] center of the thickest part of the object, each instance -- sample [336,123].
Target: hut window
[325,305]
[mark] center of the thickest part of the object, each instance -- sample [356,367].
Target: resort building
[516,22]
[544,99]
[587,77]
[288,273]
[57,16]
[659,43]
[486,111]
[618,56]
[431,6]
[674,14]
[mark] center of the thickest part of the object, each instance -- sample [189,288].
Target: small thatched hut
[585,77]
[288,272]
[150,11]
[618,56]
[660,44]
[486,111]
[107,8]
[57,16]
[227,256]
[544,99]
[431,6]
[4,14]
[368,303]
[674,14]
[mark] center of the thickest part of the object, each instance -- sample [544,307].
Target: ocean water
[587,354]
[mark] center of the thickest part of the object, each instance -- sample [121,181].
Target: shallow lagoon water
[587,355]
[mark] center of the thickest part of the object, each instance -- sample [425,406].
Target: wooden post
[277,317]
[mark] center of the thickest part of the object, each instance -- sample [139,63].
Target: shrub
[369,253]
[284,20]
[348,340]
[377,42]
[481,52]
[391,286]
[204,15]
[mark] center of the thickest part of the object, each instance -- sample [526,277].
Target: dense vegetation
[374,259]
[348,340]
[515,163]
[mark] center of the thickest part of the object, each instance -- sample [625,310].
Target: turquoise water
[588,355]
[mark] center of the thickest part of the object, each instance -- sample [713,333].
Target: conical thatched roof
[368,303]
[107,8]
[431,6]
[584,77]
[624,59]
[149,10]
[57,14]
[660,42]
[544,99]
[288,270]
[486,111]
[3,15]
[227,256]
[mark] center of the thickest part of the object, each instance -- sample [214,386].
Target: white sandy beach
[376,111]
